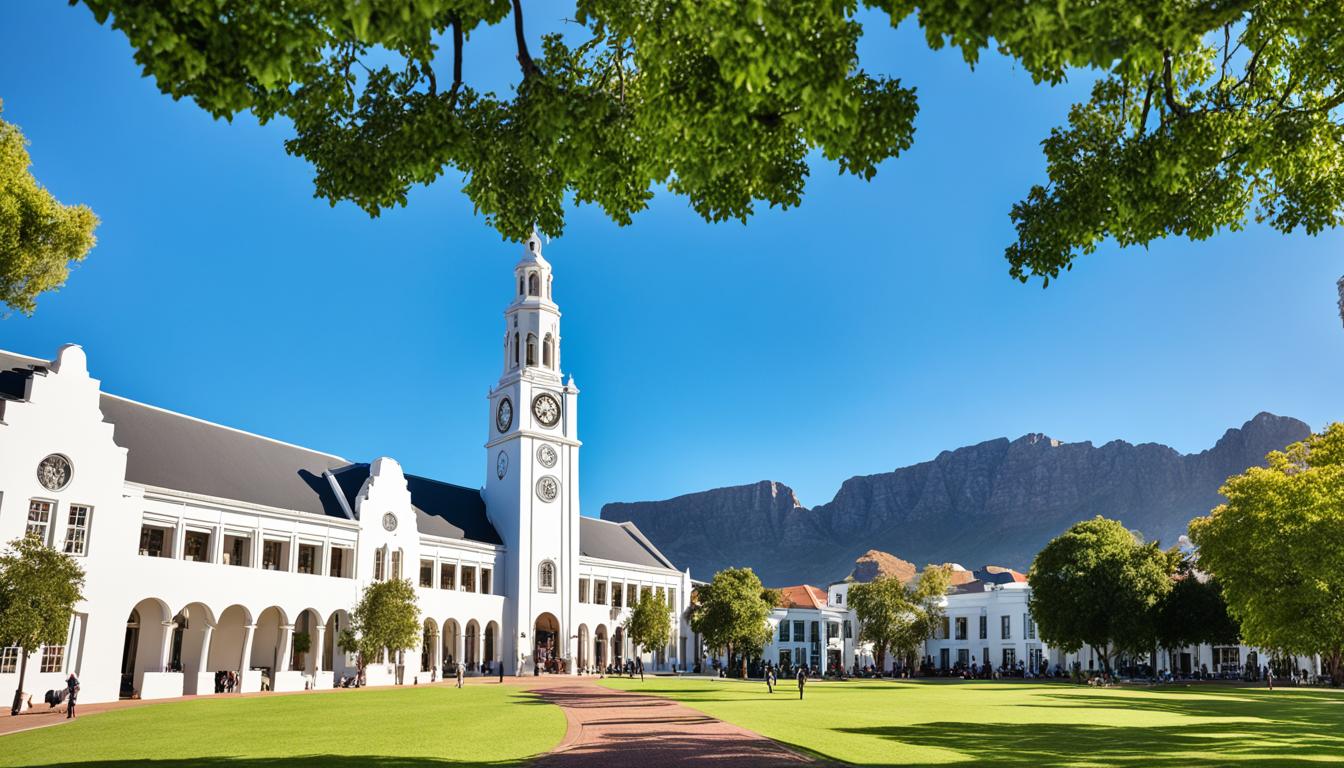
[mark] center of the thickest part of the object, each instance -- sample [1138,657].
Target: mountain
[996,502]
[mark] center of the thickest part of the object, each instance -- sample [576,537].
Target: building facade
[209,549]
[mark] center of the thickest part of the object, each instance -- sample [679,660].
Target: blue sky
[870,328]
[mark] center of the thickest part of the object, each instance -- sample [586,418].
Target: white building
[210,549]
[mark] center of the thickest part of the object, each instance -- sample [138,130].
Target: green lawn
[418,727]
[1026,724]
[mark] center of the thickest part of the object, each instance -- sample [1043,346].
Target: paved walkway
[615,729]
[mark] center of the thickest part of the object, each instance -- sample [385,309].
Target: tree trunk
[23,672]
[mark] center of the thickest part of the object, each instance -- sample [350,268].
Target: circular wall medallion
[501,465]
[54,472]
[390,521]
[504,415]
[548,488]
[547,455]
[546,408]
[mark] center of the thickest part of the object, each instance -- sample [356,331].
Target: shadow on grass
[300,761]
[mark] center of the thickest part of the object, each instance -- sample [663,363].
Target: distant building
[210,549]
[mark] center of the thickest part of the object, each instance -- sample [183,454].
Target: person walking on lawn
[72,687]
[802,681]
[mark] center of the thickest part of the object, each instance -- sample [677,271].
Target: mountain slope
[995,502]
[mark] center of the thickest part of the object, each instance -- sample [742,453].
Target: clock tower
[532,463]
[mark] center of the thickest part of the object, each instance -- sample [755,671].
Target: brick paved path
[614,729]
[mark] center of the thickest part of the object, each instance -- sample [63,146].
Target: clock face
[548,488]
[54,472]
[502,465]
[547,456]
[390,522]
[504,416]
[547,409]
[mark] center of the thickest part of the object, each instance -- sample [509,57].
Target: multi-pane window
[237,549]
[583,590]
[396,564]
[839,598]
[378,564]
[53,658]
[196,546]
[783,631]
[546,577]
[832,630]
[984,627]
[39,519]
[426,573]
[849,630]
[468,578]
[1009,658]
[155,541]
[307,558]
[448,576]
[672,598]
[961,627]
[617,595]
[77,529]
[9,660]
[600,593]
[1006,627]
[798,633]
[1029,626]
[485,581]
[273,556]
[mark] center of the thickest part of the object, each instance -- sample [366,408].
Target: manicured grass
[392,728]
[1026,724]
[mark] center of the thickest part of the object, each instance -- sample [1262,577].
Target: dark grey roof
[622,542]
[441,509]
[170,450]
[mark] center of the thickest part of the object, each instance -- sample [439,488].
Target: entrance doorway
[546,646]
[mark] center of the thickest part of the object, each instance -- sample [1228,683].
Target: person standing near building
[802,681]
[769,678]
[460,672]
[72,691]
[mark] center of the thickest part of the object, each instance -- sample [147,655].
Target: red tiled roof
[802,596]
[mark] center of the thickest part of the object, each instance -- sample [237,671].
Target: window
[427,573]
[849,630]
[546,352]
[237,549]
[783,631]
[379,567]
[632,594]
[583,590]
[53,658]
[672,598]
[1028,626]
[520,286]
[196,546]
[832,630]
[515,350]
[468,578]
[963,657]
[961,628]
[308,554]
[77,530]
[984,627]
[533,284]
[155,541]
[9,660]
[531,349]
[546,577]
[1006,627]
[600,593]
[396,564]
[943,631]
[617,595]
[1009,657]
[485,581]
[337,567]
[816,632]
[39,519]
[275,555]
[798,633]
[448,576]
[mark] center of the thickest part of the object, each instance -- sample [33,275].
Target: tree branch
[1147,102]
[1169,90]
[524,58]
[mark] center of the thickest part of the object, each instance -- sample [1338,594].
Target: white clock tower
[532,460]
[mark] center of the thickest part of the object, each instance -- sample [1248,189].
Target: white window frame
[48,651]
[71,528]
[9,660]
[46,524]
[546,572]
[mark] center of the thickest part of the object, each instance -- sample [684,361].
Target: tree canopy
[1097,584]
[39,238]
[1276,548]
[649,624]
[731,612]
[896,616]
[1193,612]
[1203,113]
[39,587]
[386,617]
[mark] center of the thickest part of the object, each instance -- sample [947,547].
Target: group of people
[66,696]
[226,681]
[772,678]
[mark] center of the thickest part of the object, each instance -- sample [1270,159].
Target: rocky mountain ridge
[997,501]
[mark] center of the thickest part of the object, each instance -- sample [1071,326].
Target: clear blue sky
[871,328]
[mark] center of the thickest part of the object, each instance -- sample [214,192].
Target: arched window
[378,556]
[531,349]
[533,284]
[515,350]
[546,358]
[520,285]
[546,576]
